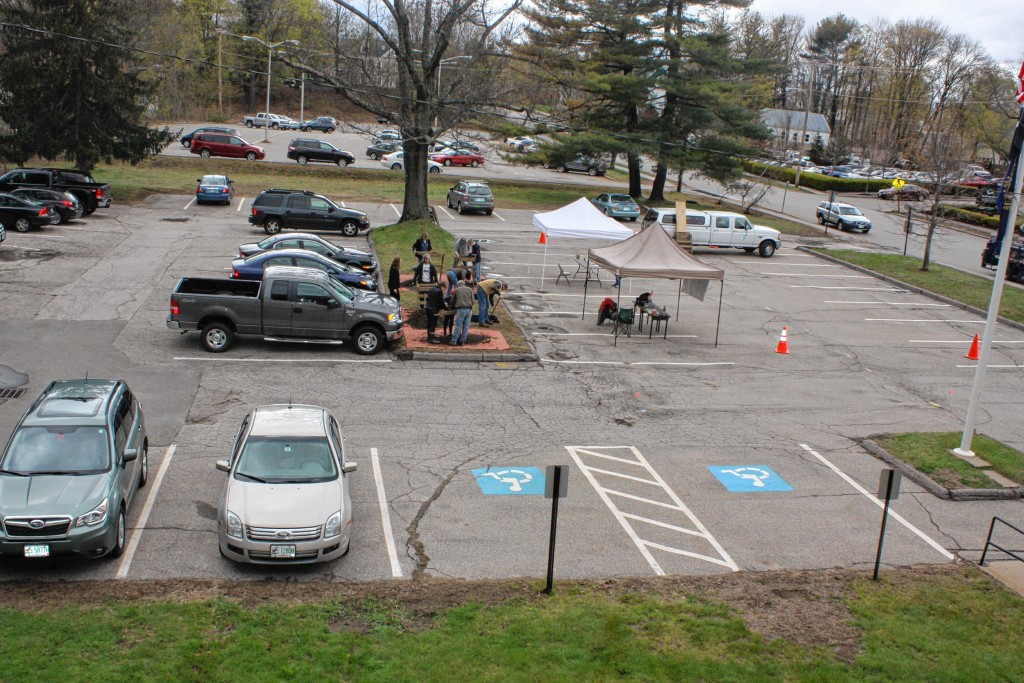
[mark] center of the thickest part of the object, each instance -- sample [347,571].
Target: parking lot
[656,433]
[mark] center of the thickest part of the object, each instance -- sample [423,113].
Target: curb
[911,288]
[925,482]
[471,357]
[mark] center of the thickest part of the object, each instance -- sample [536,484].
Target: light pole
[270,62]
[447,60]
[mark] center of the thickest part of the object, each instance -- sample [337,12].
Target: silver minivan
[286,499]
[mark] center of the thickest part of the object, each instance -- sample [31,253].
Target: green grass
[949,282]
[928,452]
[951,627]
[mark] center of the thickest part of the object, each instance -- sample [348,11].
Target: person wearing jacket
[425,273]
[434,305]
[488,294]
[421,246]
[395,278]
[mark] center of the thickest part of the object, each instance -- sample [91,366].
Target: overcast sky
[998,26]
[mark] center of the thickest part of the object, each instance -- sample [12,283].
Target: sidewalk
[1008,572]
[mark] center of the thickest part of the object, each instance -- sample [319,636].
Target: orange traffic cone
[783,346]
[543,239]
[972,354]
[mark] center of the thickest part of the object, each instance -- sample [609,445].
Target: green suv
[71,469]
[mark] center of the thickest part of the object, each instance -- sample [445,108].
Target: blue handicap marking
[510,481]
[748,478]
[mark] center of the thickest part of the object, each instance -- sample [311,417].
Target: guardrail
[988,541]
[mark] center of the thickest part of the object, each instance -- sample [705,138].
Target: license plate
[37,551]
[282,552]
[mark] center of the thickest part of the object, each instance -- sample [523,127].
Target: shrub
[816,181]
[963,215]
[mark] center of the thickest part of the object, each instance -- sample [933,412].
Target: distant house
[786,126]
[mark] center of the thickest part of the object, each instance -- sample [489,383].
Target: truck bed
[219,286]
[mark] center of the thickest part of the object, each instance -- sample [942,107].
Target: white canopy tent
[579,220]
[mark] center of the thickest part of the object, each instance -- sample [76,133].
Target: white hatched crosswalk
[650,512]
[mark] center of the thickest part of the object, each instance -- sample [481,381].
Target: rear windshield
[58,450]
[270,200]
[300,460]
[624,198]
[482,191]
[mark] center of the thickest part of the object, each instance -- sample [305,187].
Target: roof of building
[791,119]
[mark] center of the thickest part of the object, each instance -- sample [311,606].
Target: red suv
[209,145]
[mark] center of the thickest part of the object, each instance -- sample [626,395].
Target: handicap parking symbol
[510,481]
[749,478]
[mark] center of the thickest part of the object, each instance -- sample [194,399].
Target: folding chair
[562,274]
[623,322]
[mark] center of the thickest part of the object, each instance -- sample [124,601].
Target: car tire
[375,156]
[841,225]
[632,218]
[272,226]
[560,169]
[186,144]
[274,126]
[248,124]
[349,228]
[60,218]
[821,219]
[328,131]
[489,211]
[367,340]
[22,225]
[250,156]
[217,337]
[434,169]
[608,212]
[119,536]
[474,163]
[302,159]
[591,171]
[205,153]
[766,249]
[447,162]
[460,209]
[144,465]
[448,200]
[396,167]
[546,165]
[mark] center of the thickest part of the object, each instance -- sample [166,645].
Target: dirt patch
[805,607]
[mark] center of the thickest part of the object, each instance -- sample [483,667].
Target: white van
[719,229]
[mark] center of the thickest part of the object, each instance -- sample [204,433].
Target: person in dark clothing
[434,305]
[478,260]
[395,278]
[425,273]
[421,246]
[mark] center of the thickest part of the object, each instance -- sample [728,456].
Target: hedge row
[972,217]
[816,181]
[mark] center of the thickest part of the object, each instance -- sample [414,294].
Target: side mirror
[348,467]
[330,209]
[332,303]
[131,454]
[223,466]
[199,180]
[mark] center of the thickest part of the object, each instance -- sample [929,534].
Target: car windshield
[279,460]
[58,450]
[849,211]
[341,290]
[624,198]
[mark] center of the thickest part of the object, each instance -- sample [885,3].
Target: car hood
[284,505]
[855,219]
[51,494]
[375,300]
[767,232]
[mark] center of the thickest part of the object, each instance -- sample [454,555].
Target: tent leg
[679,295]
[583,315]
[618,298]
[718,323]
[545,266]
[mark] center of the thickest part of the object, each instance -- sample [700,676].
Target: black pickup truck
[91,194]
[289,305]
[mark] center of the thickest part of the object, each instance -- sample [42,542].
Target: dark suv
[304,210]
[304,150]
[186,140]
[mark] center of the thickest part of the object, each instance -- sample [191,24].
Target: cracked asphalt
[91,297]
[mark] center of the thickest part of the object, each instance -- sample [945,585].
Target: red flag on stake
[543,239]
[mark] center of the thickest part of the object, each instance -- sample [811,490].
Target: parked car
[908,191]
[286,499]
[617,206]
[843,216]
[718,229]
[186,140]
[90,193]
[71,471]
[304,150]
[262,119]
[387,135]
[3,233]
[377,150]
[25,214]
[288,123]
[452,157]
[324,124]
[396,162]
[471,196]
[580,164]
[252,268]
[209,145]
[65,204]
[521,144]
[303,240]
[450,143]
[977,180]
[275,209]
[215,188]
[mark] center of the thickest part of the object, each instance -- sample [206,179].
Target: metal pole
[906,231]
[885,516]
[583,315]
[220,73]
[545,265]
[554,528]
[266,124]
[785,190]
[679,295]
[718,323]
[302,100]
[993,309]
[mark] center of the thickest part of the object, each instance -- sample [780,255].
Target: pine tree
[70,86]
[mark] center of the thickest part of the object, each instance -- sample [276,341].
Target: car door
[321,214]
[296,211]
[721,231]
[315,314]
[742,233]
[277,310]
[124,434]
[602,201]
[234,148]
[8,211]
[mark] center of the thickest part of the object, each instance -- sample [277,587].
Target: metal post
[302,100]
[906,230]
[993,309]
[266,123]
[885,516]
[220,73]
[554,528]
[984,552]
[785,190]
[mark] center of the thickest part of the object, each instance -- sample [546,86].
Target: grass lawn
[928,452]
[954,625]
[949,282]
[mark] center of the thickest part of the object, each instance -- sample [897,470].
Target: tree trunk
[635,188]
[417,140]
[658,186]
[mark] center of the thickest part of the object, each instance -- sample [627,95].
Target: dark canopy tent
[652,253]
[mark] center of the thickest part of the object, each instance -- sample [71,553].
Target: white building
[786,126]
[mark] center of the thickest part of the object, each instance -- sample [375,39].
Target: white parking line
[624,363]
[240,203]
[887,303]
[395,209]
[648,476]
[922,320]
[849,480]
[189,204]
[957,341]
[852,289]
[280,360]
[995,367]
[830,276]
[133,542]
[498,216]
[602,334]
[445,212]
[385,516]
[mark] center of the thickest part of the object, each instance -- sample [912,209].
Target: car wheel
[205,154]
[447,162]
[303,159]
[22,225]
[272,226]
[250,156]
[821,219]
[144,466]
[349,228]
[608,212]
[546,165]
[217,337]
[591,171]
[560,169]
[375,156]
[434,169]
[274,126]
[396,167]
[329,131]
[489,211]
[305,129]
[368,340]
[766,249]
[119,536]
[248,124]
[60,218]
[632,218]
[186,143]
[841,225]
[474,163]
[459,207]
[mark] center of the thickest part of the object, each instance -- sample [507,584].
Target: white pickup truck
[261,119]
[719,229]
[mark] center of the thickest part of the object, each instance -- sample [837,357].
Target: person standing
[434,306]
[395,278]
[478,260]
[421,246]
[486,289]
[463,312]
[425,273]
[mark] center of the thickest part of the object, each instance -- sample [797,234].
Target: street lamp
[446,60]
[270,57]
